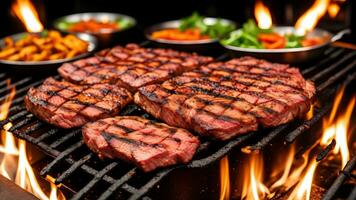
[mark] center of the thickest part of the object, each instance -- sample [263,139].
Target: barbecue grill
[71,157]
[62,160]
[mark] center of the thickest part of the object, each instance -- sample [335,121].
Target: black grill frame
[341,62]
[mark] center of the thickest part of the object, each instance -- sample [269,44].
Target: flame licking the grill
[224,179]
[253,187]
[334,128]
[303,189]
[262,15]
[27,13]
[337,128]
[310,18]
[14,163]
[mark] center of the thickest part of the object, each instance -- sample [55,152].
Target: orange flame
[310,113]
[334,128]
[224,179]
[253,187]
[27,13]
[338,128]
[310,18]
[263,15]
[5,106]
[14,155]
[303,188]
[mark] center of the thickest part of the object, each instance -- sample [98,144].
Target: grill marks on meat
[147,144]
[66,105]
[131,66]
[222,100]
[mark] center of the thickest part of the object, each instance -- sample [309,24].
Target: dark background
[152,11]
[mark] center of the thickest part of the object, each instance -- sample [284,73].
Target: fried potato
[9,42]
[50,45]
[57,56]
[15,57]
[28,50]
[7,52]
[40,56]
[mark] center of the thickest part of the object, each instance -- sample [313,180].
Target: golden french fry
[47,47]
[40,56]
[28,50]
[72,53]
[55,35]
[7,52]
[60,47]
[9,42]
[15,57]
[40,41]
[57,56]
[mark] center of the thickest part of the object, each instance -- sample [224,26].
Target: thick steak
[131,66]
[225,99]
[67,105]
[147,144]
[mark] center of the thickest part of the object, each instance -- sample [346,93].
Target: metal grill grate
[71,155]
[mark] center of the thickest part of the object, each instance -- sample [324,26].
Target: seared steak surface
[225,99]
[131,66]
[147,144]
[66,105]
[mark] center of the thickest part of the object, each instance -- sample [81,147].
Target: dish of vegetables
[96,23]
[194,27]
[251,36]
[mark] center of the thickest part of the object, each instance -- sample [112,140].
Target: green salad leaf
[215,30]
[124,23]
[247,36]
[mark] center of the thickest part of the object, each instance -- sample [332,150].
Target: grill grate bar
[328,59]
[267,139]
[14,117]
[17,108]
[333,66]
[22,123]
[65,138]
[2,75]
[337,76]
[144,189]
[352,196]
[21,82]
[95,180]
[65,153]
[117,184]
[340,179]
[221,152]
[72,168]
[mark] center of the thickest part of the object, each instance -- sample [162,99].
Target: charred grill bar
[67,148]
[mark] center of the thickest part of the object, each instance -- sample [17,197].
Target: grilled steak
[147,144]
[131,66]
[67,105]
[222,100]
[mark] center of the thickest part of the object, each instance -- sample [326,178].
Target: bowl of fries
[44,50]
